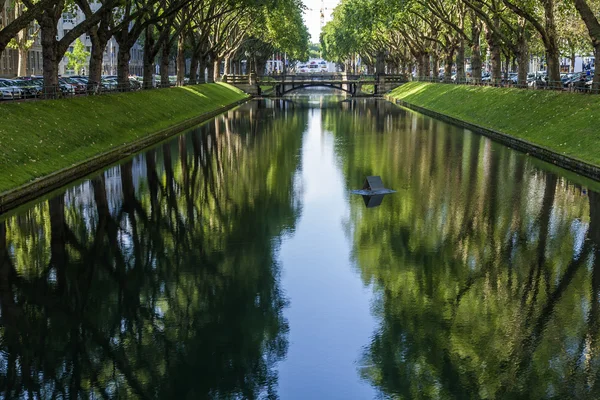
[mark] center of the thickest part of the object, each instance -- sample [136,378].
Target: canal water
[233,262]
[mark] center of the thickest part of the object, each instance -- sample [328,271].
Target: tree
[78,58]
[23,41]
[27,11]
[588,15]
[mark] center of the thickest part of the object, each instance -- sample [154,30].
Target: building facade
[9,58]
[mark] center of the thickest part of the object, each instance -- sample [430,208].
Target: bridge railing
[337,77]
[236,79]
[396,78]
[314,78]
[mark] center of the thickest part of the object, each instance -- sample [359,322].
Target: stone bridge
[280,85]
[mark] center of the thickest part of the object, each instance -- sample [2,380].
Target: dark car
[29,88]
[77,86]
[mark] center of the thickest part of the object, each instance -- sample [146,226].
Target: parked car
[108,85]
[17,93]
[78,87]
[323,66]
[66,86]
[29,88]
[135,84]
[5,93]
[64,89]
[302,68]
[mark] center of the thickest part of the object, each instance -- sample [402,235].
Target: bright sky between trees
[312,15]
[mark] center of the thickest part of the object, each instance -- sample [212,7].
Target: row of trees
[427,33]
[208,32]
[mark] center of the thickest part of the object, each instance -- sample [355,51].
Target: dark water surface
[232,262]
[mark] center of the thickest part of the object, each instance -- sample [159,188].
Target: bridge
[279,85]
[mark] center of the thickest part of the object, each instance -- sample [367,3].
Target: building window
[68,18]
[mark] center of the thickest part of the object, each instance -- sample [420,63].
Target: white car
[7,87]
[313,68]
[302,69]
[5,93]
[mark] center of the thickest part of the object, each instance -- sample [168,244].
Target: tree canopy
[429,34]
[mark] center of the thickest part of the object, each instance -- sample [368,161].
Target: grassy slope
[38,138]
[567,123]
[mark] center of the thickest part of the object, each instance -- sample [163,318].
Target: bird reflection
[373,201]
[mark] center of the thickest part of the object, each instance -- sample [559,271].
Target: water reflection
[486,269]
[158,278]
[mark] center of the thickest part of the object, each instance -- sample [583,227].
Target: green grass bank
[38,138]
[565,123]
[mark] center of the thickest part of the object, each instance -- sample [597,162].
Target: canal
[234,262]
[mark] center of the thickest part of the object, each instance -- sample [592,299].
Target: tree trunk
[95,67]
[553,58]
[148,74]
[496,62]
[460,63]
[227,66]
[475,49]
[202,70]
[216,69]
[210,75]
[593,27]
[495,47]
[596,81]
[522,61]
[21,40]
[99,36]
[22,68]
[123,57]
[181,59]
[552,51]
[164,65]
[380,63]
[193,69]
[48,34]
[261,64]
[449,60]
[149,56]
[435,61]
[426,67]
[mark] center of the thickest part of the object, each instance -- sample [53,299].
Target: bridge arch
[282,88]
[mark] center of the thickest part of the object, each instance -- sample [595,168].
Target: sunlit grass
[41,137]
[566,123]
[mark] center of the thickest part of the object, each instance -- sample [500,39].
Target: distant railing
[338,77]
[38,92]
[236,79]
[576,86]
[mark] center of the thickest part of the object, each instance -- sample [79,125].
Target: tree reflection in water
[158,278]
[486,269]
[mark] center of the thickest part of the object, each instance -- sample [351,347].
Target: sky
[312,17]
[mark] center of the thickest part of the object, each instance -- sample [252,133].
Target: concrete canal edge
[572,164]
[44,185]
